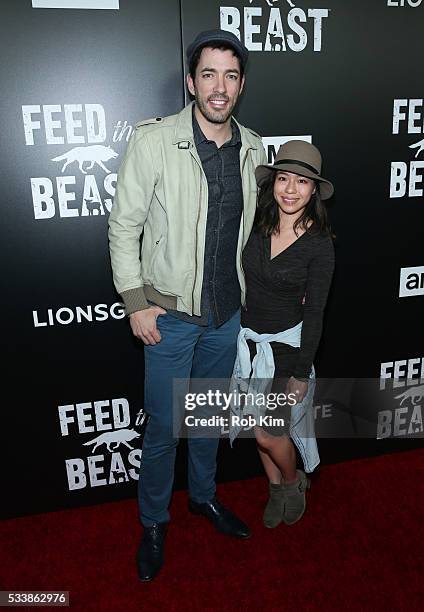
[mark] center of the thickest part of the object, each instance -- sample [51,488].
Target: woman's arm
[320,273]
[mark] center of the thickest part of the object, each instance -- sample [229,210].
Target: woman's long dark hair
[267,219]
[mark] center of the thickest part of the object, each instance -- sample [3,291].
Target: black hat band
[297,163]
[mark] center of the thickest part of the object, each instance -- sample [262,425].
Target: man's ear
[242,84]
[190,84]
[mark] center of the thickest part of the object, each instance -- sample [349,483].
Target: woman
[288,263]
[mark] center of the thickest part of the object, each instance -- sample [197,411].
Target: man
[187,184]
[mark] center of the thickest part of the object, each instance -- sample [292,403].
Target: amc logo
[413,3]
[76,4]
[411,281]
[271,144]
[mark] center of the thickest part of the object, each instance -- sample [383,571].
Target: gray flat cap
[211,36]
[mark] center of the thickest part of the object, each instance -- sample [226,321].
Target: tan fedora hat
[299,157]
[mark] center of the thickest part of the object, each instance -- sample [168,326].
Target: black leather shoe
[221,518]
[150,551]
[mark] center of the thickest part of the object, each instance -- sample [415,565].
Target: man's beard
[211,115]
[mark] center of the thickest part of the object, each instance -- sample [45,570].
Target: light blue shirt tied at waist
[254,378]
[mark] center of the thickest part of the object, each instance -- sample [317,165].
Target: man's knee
[160,431]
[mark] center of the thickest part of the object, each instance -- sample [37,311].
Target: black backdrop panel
[74,83]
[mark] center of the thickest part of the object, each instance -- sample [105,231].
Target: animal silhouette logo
[272,2]
[119,476]
[415,394]
[93,154]
[275,39]
[92,204]
[117,437]
[419,146]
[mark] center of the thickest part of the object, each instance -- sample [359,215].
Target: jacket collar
[184,130]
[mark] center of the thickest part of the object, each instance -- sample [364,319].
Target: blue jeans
[185,351]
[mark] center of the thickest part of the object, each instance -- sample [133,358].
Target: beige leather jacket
[162,194]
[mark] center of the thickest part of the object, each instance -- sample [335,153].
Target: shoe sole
[272,526]
[150,577]
[293,522]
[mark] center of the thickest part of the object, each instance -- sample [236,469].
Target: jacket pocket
[155,251]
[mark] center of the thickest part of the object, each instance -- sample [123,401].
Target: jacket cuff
[301,378]
[302,372]
[134,299]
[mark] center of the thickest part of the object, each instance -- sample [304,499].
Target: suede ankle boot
[294,498]
[273,513]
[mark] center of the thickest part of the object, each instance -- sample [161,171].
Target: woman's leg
[287,485]
[276,450]
[277,460]
[271,469]
[278,456]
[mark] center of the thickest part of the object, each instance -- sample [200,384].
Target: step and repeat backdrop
[76,75]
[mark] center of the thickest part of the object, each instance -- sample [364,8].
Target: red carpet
[358,547]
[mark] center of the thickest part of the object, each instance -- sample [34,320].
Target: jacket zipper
[243,163]
[197,224]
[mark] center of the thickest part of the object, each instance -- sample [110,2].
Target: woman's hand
[297,387]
